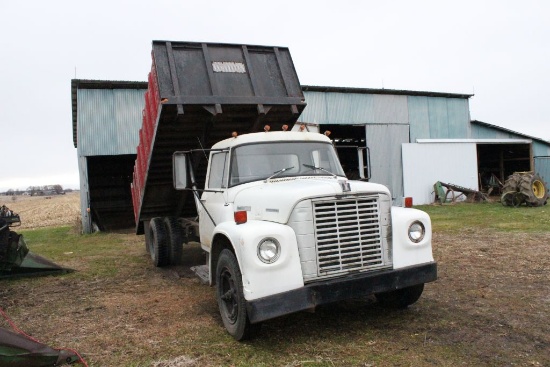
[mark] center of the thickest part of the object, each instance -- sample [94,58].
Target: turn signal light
[240,217]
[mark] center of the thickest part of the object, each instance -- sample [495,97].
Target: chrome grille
[348,235]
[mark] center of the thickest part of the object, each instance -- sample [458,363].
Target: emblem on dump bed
[228,67]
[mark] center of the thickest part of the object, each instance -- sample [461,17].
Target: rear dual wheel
[158,243]
[175,239]
[164,240]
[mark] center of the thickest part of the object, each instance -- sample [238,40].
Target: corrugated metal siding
[384,142]
[439,127]
[542,167]
[541,149]
[484,132]
[109,121]
[354,108]
[390,109]
[338,108]
[541,152]
[419,117]
[458,114]
[439,118]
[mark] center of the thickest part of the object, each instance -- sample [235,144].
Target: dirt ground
[490,306]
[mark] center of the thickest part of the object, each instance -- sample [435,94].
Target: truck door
[214,206]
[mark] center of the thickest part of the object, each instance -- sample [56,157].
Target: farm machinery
[15,258]
[524,188]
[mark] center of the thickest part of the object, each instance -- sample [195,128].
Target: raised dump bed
[198,94]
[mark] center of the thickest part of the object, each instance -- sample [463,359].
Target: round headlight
[269,250]
[416,231]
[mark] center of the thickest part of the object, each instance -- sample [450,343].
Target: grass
[457,218]
[118,310]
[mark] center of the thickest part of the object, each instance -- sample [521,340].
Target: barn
[408,139]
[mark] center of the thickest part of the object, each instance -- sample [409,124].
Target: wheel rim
[538,189]
[228,296]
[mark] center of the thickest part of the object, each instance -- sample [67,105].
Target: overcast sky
[497,50]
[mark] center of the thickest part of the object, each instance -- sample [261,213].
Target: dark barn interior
[109,179]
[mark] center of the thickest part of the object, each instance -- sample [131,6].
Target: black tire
[229,293]
[511,186]
[534,189]
[147,235]
[175,239]
[159,243]
[400,298]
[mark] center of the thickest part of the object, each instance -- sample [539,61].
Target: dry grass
[44,211]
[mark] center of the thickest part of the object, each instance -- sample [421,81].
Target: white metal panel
[425,164]
[84,195]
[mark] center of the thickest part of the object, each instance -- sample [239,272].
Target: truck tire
[229,293]
[159,243]
[147,235]
[400,298]
[175,239]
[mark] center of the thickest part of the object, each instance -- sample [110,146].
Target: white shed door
[425,164]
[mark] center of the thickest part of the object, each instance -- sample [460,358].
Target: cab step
[202,272]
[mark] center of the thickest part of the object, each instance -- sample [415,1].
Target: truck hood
[274,201]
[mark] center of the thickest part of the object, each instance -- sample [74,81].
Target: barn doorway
[109,179]
[347,138]
[498,161]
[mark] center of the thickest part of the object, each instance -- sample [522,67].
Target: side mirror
[179,169]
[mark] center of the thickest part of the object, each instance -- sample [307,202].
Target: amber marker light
[240,217]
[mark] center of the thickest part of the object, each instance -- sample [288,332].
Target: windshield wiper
[319,168]
[275,174]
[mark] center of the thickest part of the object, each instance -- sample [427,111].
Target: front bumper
[339,289]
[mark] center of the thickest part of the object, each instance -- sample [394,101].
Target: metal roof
[97,84]
[115,84]
[481,123]
[313,88]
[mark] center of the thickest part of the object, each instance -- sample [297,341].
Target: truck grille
[348,235]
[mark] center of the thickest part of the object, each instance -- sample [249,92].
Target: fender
[405,252]
[261,279]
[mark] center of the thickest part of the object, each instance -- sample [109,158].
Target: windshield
[283,159]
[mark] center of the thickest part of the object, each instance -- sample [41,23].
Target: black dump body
[199,94]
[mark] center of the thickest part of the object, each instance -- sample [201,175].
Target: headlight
[416,231]
[269,250]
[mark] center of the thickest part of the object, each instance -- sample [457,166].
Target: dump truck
[222,162]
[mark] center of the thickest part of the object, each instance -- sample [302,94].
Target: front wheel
[400,298]
[229,293]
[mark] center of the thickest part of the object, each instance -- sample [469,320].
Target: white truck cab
[285,230]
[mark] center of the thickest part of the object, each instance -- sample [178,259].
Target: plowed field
[45,211]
